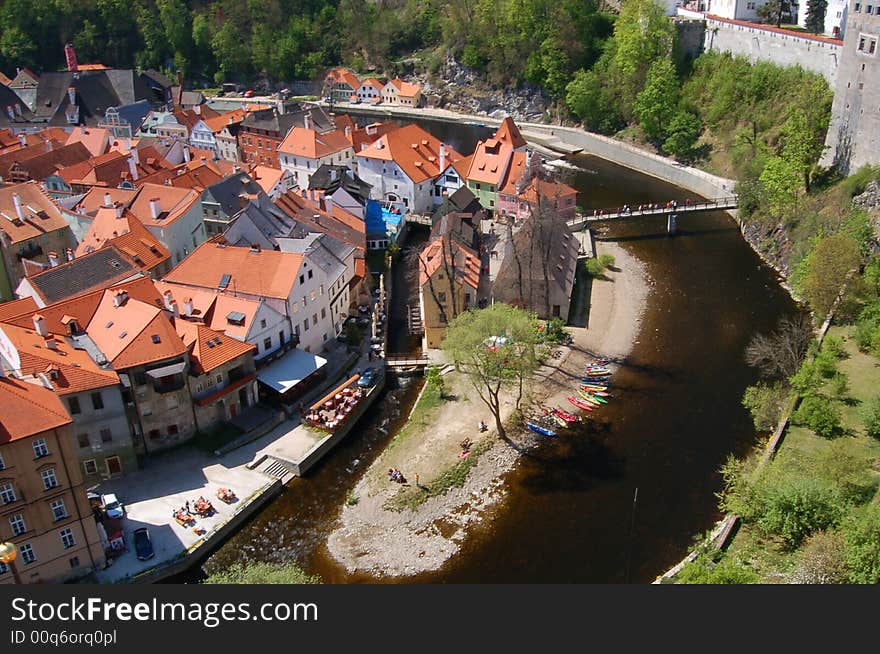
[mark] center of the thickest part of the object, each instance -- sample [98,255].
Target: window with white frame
[90,466]
[67,538]
[27,553]
[7,494]
[49,478]
[59,511]
[40,448]
[17,524]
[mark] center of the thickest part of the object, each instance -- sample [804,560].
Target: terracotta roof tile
[174,203]
[28,409]
[310,144]
[267,273]
[210,349]
[95,139]
[413,149]
[41,214]
[17,307]
[128,234]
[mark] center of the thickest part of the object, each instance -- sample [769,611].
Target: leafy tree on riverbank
[475,341]
[824,270]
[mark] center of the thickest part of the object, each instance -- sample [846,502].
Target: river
[571,513]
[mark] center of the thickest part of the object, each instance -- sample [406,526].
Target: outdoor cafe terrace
[332,410]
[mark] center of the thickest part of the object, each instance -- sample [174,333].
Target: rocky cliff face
[459,88]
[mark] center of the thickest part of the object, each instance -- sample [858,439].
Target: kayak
[586,397]
[579,404]
[541,430]
[596,393]
[595,387]
[597,373]
[600,400]
[558,419]
[567,417]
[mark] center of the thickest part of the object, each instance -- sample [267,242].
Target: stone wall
[781,47]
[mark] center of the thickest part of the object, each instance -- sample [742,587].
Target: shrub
[727,570]
[261,573]
[435,379]
[764,402]
[819,414]
[861,534]
[795,507]
[871,416]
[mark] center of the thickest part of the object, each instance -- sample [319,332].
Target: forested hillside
[543,41]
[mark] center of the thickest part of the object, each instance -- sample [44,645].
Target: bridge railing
[726,202]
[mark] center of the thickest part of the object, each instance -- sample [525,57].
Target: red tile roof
[17,307]
[134,333]
[94,199]
[96,139]
[73,370]
[508,132]
[209,349]
[310,144]
[343,75]
[128,234]
[217,123]
[405,89]
[267,273]
[41,214]
[464,260]
[173,203]
[413,149]
[28,410]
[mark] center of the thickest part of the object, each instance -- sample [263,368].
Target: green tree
[435,379]
[642,35]
[472,343]
[682,135]
[774,11]
[780,181]
[261,573]
[861,534]
[764,401]
[656,103]
[795,507]
[827,268]
[816,10]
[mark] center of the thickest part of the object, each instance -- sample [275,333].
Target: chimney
[71,255]
[71,95]
[119,298]
[10,112]
[19,210]
[169,298]
[255,247]
[231,120]
[134,155]
[188,307]
[119,209]
[197,109]
[333,173]
[155,208]
[50,342]
[236,169]
[127,144]
[53,259]
[108,200]
[307,120]
[70,56]
[442,157]
[174,310]
[329,202]
[18,110]
[23,140]
[348,132]
[186,154]
[132,166]
[39,324]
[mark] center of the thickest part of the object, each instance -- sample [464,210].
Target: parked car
[367,378]
[112,506]
[143,544]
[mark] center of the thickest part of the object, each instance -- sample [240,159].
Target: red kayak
[559,413]
[579,403]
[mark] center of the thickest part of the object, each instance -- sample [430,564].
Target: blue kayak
[541,430]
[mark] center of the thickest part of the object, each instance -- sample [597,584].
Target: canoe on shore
[541,430]
[596,393]
[579,404]
[567,417]
[586,397]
